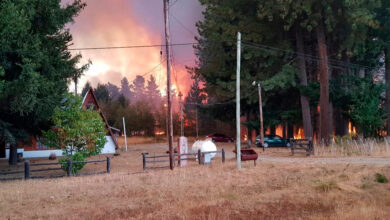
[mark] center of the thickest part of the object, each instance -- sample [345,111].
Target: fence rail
[27,169]
[177,157]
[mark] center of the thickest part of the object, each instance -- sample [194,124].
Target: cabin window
[40,145]
[91,105]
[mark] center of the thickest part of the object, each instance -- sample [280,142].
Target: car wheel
[266,145]
[230,141]
[288,145]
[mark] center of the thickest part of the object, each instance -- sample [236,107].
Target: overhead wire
[132,46]
[334,62]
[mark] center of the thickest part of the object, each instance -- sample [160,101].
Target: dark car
[220,138]
[272,141]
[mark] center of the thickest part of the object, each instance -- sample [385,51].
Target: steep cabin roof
[90,101]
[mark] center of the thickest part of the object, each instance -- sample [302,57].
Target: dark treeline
[144,109]
[140,102]
[320,63]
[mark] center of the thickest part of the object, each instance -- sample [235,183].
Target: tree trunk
[341,123]
[290,131]
[387,77]
[307,127]
[2,149]
[13,154]
[75,85]
[273,130]
[324,84]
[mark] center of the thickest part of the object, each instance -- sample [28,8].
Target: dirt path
[329,160]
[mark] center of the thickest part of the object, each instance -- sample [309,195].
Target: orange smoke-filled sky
[105,23]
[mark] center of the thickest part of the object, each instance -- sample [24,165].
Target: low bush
[380,178]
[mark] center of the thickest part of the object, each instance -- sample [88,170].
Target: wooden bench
[305,145]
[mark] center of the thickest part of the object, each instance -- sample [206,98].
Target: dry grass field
[271,190]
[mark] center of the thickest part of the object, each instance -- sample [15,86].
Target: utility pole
[261,116]
[181,115]
[167,45]
[124,131]
[238,127]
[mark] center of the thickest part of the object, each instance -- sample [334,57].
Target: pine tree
[35,64]
[138,88]
[113,91]
[152,92]
[86,87]
[102,94]
[125,89]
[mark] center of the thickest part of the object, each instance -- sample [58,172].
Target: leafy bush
[76,167]
[380,178]
[78,132]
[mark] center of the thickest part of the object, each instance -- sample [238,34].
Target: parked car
[272,141]
[220,138]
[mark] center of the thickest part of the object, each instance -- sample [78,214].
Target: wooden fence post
[27,169]
[108,164]
[69,168]
[223,155]
[143,161]
[199,157]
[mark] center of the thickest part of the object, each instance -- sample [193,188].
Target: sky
[105,23]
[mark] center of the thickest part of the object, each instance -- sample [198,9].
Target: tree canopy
[295,49]
[35,64]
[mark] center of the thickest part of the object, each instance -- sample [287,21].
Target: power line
[152,70]
[336,63]
[110,47]
[183,26]
[131,47]
[173,3]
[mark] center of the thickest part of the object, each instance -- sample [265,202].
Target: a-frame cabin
[89,102]
[35,149]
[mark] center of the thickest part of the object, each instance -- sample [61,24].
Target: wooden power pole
[261,116]
[167,45]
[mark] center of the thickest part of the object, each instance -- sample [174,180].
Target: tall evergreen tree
[113,91]
[125,88]
[86,87]
[102,94]
[138,88]
[152,91]
[35,64]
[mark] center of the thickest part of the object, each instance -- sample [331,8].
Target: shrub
[76,167]
[380,178]
[79,133]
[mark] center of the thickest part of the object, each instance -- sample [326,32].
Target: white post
[124,132]
[238,127]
